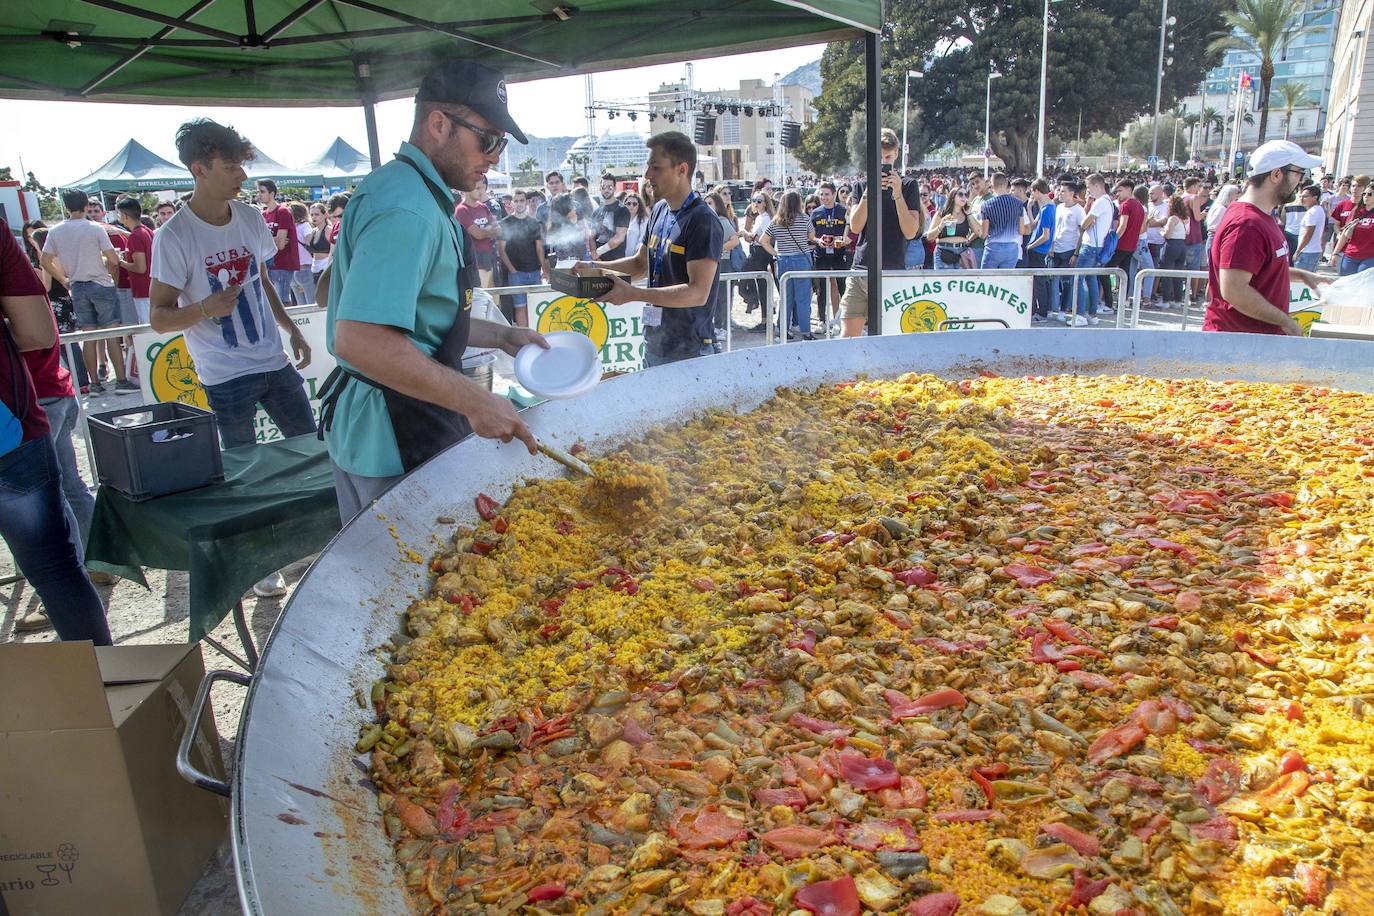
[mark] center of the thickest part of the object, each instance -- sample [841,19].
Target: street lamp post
[1173,150]
[1165,21]
[1044,80]
[987,123]
[906,99]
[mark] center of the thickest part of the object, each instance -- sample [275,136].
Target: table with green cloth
[275,506]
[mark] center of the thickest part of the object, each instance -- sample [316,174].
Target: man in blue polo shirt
[400,314]
[680,256]
[1002,216]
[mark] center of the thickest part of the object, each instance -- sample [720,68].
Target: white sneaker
[1060,316]
[1080,322]
[273,586]
[1093,320]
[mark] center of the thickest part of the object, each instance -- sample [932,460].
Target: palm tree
[1210,118]
[1265,28]
[1292,94]
[1190,123]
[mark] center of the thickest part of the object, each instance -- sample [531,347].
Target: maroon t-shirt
[141,239]
[1361,244]
[469,215]
[281,220]
[1248,239]
[1135,221]
[121,243]
[18,279]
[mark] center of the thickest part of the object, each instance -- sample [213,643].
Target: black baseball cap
[479,87]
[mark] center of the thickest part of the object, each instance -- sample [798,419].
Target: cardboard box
[93,816]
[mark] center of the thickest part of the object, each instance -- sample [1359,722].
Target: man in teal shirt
[399,316]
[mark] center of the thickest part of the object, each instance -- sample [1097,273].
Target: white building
[1348,144]
[620,153]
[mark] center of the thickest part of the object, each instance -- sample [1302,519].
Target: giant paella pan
[1009,621]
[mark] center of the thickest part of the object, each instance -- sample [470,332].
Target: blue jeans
[941,265]
[523,278]
[1061,298]
[281,281]
[44,544]
[1307,260]
[1192,255]
[1351,265]
[303,282]
[915,254]
[63,414]
[1143,261]
[1001,255]
[798,292]
[1089,256]
[281,393]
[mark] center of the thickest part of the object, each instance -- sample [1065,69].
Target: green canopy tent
[340,164]
[135,168]
[346,52]
[264,166]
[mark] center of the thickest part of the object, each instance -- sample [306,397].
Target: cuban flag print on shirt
[251,315]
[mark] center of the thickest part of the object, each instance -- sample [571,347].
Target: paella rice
[1008,645]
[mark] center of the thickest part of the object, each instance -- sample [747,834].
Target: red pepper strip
[823,538]
[916,575]
[1068,665]
[1291,762]
[499,525]
[1082,843]
[1084,650]
[994,770]
[487,507]
[1044,650]
[1183,552]
[1313,879]
[929,703]
[482,548]
[1221,781]
[818,726]
[1115,742]
[807,642]
[1067,632]
[1165,622]
[1028,576]
[830,898]
[749,906]
[546,892]
[985,785]
[1084,891]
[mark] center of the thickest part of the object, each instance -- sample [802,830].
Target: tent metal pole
[374,147]
[873,160]
[117,7]
[140,51]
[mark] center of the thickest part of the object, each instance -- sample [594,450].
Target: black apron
[422,429]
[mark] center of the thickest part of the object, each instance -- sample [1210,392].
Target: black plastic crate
[156,449]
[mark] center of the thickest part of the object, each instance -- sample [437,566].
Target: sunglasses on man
[492,143]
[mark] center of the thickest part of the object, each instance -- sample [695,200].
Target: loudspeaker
[705,132]
[791,135]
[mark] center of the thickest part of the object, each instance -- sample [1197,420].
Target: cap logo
[501,91]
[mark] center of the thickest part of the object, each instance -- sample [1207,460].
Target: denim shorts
[128,312]
[1192,256]
[95,306]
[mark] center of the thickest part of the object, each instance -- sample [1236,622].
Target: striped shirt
[1003,215]
[791,239]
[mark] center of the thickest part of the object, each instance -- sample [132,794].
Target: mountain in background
[807,75]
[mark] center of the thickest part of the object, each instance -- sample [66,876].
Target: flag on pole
[1245,80]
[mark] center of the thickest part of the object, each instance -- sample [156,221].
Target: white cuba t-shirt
[199,259]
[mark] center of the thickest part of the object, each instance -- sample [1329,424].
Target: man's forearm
[278,310]
[386,356]
[1250,303]
[167,317]
[681,296]
[634,265]
[485,333]
[1305,238]
[54,267]
[906,220]
[858,215]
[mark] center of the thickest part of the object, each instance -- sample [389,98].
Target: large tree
[1103,57]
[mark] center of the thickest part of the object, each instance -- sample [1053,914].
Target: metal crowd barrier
[1156,273]
[1116,273]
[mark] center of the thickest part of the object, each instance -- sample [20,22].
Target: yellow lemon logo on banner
[923,315]
[173,373]
[581,315]
[1305,319]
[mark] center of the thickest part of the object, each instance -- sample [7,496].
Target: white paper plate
[569,368]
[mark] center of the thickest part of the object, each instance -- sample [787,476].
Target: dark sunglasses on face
[491,143]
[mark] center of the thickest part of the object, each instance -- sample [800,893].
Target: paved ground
[159,615]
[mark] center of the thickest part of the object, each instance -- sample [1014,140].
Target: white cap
[1278,153]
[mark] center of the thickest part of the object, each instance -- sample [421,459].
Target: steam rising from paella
[1011,646]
